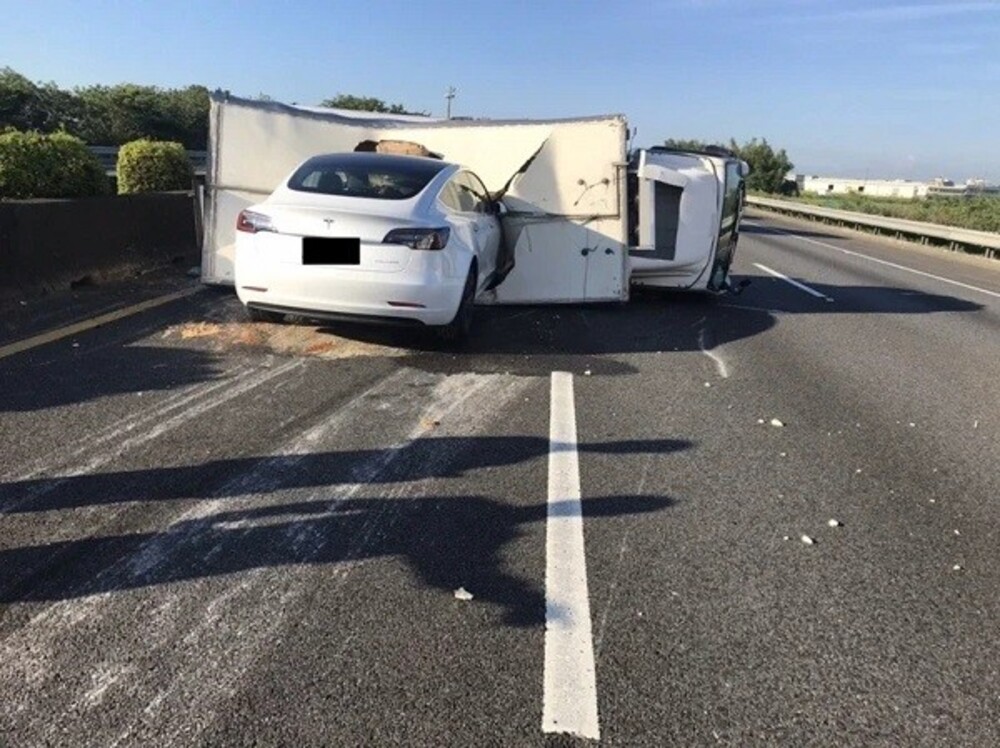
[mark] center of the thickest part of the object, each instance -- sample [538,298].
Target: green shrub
[53,165]
[153,166]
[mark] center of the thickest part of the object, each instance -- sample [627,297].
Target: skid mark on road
[236,388]
[569,701]
[198,643]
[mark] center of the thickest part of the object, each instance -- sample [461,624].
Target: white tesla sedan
[372,237]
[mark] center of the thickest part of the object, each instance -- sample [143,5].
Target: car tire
[458,330]
[262,315]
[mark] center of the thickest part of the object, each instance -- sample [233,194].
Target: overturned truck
[584,218]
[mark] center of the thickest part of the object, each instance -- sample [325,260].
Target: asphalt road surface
[221,533]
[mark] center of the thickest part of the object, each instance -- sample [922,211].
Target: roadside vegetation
[119,114]
[977,213]
[33,165]
[153,166]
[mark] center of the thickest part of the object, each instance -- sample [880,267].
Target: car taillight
[418,238]
[251,222]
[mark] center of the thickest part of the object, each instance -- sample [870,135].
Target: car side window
[471,190]
[451,196]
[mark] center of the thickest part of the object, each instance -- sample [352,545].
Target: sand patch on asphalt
[281,339]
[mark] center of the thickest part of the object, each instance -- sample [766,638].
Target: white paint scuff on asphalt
[720,364]
[793,282]
[569,701]
[887,263]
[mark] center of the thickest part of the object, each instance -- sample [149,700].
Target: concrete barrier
[53,244]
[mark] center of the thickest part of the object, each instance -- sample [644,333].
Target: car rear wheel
[457,331]
[262,315]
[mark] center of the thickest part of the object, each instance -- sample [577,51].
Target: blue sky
[892,88]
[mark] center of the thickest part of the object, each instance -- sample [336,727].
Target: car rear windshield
[369,175]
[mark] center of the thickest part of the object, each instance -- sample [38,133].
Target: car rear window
[368,175]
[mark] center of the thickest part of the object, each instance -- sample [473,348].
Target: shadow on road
[443,457]
[106,361]
[447,542]
[534,341]
[758,230]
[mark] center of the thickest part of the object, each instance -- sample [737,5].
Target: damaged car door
[477,214]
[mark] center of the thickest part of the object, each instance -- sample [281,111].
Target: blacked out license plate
[319,250]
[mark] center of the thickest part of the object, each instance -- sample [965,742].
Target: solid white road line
[569,700]
[88,324]
[887,263]
[800,286]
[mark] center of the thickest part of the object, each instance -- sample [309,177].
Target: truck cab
[684,216]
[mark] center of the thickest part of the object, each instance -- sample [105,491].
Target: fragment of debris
[807,540]
[956,567]
[463,594]
[586,373]
[777,423]
[834,523]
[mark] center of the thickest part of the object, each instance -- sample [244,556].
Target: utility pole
[449,96]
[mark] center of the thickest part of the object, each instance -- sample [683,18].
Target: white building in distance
[901,188]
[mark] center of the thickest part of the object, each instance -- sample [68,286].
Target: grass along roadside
[977,213]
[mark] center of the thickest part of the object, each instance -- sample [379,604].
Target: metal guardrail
[925,233]
[108,156]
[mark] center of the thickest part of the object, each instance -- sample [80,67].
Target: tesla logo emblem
[329,222]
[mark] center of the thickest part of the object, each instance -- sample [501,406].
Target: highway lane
[222,533]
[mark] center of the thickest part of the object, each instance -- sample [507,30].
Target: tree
[767,166]
[366,104]
[25,105]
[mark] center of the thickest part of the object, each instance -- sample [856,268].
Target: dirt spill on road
[281,339]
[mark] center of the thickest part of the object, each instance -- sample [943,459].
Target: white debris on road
[777,423]
[807,540]
[463,594]
[835,523]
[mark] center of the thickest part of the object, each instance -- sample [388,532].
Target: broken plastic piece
[835,523]
[777,423]
[463,594]
[807,540]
